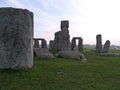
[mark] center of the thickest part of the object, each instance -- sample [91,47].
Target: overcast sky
[87,18]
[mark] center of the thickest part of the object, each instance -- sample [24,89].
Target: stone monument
[62,38]
[106,47]
[36,43]
[43,44]
[16,38]
[73,44]
[51,45]
[80,43]
[99,43]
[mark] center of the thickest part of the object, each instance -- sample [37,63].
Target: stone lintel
[77,38]
[65,23]
[38,39]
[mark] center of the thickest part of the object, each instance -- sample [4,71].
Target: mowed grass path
[99,73]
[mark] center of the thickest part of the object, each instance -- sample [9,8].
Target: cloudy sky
[87,18]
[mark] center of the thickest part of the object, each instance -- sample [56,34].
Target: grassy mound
[99,73]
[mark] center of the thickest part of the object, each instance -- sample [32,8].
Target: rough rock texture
[106,47]
[72,55]
[51,45]
[16,38]
[99,43]
[43,53]
[62,38]
[36,43]
[80,44]
[43,44]
[73,44]
[64,24]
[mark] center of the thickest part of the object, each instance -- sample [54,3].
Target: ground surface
[99,73]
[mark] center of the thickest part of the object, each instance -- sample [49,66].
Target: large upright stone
[16,38]
[51,45]
[62,38]
[73,44]
[99,43]
[43,44]
[64,24]
[36,43]
[80,44]
[106,47]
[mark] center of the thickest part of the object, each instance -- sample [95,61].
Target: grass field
[98,73]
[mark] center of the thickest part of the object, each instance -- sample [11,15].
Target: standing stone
[99,43]
[36,43]
[80,44]
[43,44]
[64,24]
[16,38]
[106,47]
[62,38]
[51,45]
[73,44]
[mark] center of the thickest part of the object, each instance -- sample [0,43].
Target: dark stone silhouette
[36,43]
[51,45]
[43,43]
[80,43]
[73,43]
[99,43]
[106,47]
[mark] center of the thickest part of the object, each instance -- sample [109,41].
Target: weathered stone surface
[99,43]
[16,38]
[71,55]
[73,44]
[43,53]
[64,24]
[106,47]
[36,43]
[62,39]
[43,44]
[80,44]
[60,73]
[51,45]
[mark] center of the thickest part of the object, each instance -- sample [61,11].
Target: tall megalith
[62,38]
[16,38]
[51,45]
[99,43]
[73,43]
[106,47]
[80,44]
[43,44]
[36,43]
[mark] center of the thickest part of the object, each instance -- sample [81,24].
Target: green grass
[114,51]
[99,73]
